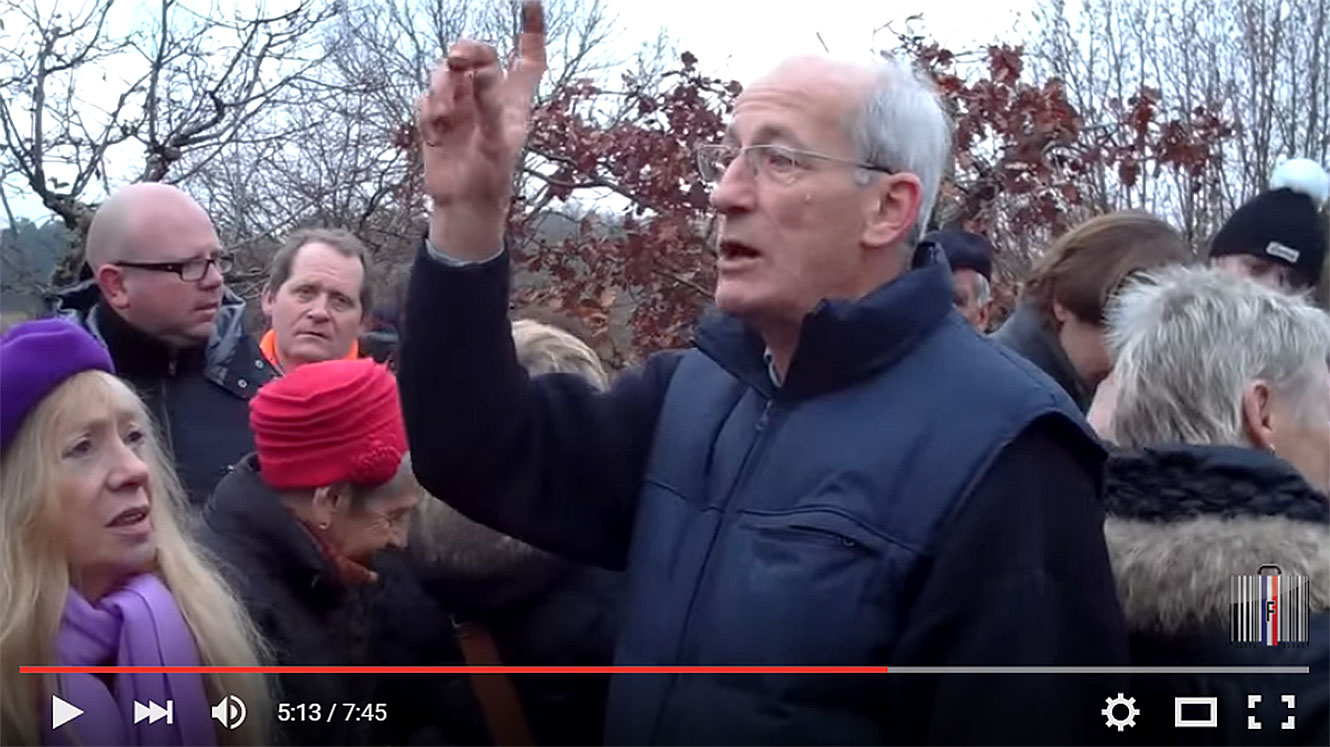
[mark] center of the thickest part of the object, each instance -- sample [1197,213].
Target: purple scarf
[138,624]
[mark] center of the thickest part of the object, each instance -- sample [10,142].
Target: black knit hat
[1281,225]
[965,250]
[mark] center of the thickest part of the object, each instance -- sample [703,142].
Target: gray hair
[903,127]
[1188,341]
[983,291]
[544,348]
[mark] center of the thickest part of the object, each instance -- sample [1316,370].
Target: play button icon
[63,712]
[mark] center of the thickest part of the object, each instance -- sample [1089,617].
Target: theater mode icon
[230,712]
[154,712]
[1195,721]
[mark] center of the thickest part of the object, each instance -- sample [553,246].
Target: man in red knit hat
[299,520]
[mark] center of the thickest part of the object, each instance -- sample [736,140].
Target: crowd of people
[846,468]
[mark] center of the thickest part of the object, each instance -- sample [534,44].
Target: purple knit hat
[35,358]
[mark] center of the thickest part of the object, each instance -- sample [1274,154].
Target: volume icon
[230,712]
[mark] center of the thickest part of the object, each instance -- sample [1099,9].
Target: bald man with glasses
[157,299]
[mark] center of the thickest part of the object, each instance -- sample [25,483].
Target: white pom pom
[1305,176]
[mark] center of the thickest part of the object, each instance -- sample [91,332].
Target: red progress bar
[452,670]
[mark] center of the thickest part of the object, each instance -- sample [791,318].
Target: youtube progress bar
[663,670]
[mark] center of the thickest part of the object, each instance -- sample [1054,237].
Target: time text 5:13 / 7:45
[330,712]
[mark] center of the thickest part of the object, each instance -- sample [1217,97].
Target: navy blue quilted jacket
[912,494]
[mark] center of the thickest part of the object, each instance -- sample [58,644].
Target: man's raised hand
[474,121]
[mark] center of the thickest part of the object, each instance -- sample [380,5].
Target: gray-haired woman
[1223,419]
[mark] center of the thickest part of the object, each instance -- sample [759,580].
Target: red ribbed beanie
[330,422]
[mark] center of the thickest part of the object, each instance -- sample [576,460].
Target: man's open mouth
[737,250]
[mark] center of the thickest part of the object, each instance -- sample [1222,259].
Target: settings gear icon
[1111,705]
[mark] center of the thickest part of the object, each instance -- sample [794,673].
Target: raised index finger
[529,62]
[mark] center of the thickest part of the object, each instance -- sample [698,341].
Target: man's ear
[267,299]
[1257,422]
[111,280]
[1061,313]
[892,209]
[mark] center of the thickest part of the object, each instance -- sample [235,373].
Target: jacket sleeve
[546,459]
[1022,578]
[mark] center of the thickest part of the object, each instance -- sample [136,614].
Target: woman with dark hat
[298,521]
[97,567]
[1277,237]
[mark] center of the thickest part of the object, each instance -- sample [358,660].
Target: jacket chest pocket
[820,530]
[807,586]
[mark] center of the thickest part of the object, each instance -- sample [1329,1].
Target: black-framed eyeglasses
[190,271]
[778,163]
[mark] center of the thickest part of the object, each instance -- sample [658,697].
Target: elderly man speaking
[840,473]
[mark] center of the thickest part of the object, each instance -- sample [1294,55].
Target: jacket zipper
[745,468]
[164,412]
[760,427]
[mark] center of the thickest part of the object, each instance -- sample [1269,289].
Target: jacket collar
[137,354]
[268,347]
[1183,519]
[81,303]
[1025,332]
[840,342]
[1182,481]
[250,514]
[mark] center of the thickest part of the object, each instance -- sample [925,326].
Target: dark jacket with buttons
[291,590]
[198,396]
[911,494]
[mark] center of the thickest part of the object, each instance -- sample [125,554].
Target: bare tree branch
[196,84]
[348,157]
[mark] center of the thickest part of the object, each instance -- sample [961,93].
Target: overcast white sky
[737,39]
[743,38]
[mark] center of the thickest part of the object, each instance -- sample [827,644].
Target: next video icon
[154,712]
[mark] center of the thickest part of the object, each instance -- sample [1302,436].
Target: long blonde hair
[36,573]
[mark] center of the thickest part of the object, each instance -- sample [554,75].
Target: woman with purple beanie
[97,568]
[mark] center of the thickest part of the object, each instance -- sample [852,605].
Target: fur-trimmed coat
[1181,521]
